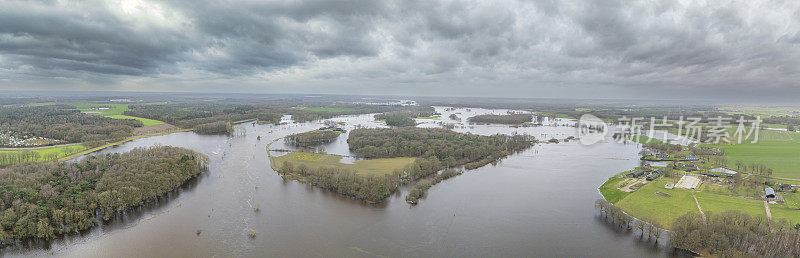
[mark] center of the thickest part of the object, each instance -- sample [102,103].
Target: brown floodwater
[536,203]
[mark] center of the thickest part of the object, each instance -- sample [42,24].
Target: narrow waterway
[536,203]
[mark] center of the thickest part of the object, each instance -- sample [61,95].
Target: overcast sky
[587,49]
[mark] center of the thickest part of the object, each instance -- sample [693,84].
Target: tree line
[616,215]
[422,186]
[44,200]
[736,234]
[369,188]
[65,123]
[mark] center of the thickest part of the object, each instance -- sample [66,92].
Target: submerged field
[367,166]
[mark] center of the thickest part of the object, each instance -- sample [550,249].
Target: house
[769,192]
[688,166]
[691,158]
[662,156]
[784,187]
[654,175]
[636,173]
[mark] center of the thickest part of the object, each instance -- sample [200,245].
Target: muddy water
[536,203]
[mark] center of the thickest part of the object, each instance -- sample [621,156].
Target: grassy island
[393,156]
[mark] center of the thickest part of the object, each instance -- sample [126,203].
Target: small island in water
[395,156]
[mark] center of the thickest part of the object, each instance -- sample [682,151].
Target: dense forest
[370,188]
[311,138]
[43,200]
[65,123]
[451,148]
[510,119]
[736,234]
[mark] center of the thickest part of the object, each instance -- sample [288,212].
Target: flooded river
[536,203]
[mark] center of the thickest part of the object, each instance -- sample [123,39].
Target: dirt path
[700,208]
[766,207]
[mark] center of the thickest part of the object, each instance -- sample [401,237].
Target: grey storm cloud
[545,46]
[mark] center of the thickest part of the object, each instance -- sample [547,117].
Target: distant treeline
[736,234]
[311,138]
[192,115]
[63,122]
[43,200]
[510,119]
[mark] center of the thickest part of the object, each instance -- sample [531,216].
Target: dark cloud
[552,47]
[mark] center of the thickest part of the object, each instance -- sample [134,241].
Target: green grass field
[782,212]
[645,204]
[325,109]
[777,150]
[643,139]
[48,153]
[719,203]
[761,110]
[145,121]
[367,166]
[792,200]
[114,111]
[610,191]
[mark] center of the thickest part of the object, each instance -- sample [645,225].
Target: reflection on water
[535,203]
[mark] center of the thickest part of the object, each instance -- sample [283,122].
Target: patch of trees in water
[65,123]
[509,119]
[43,200]
[433,148]
[422,186]
[736,234]
[311,138]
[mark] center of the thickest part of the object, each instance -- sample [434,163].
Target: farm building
[688,166]
[769,192]
[636,173]
[654,175]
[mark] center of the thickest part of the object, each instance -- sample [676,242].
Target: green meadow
[47,153]
[645,204]
[114,111]
[778,150]
[366,166]
[145,121]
